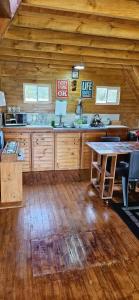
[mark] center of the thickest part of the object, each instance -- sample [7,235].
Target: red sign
[62,88]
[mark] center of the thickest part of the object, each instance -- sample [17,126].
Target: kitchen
[63,90]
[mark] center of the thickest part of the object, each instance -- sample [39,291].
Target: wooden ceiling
[61,33]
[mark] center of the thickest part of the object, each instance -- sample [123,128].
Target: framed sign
[62,88]
[75,74]
[73,85]
[86,89]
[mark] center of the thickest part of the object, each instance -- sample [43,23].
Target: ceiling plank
[66,57]
[125,9]
[59,64]
[79,24]
[64,49]
[57,37]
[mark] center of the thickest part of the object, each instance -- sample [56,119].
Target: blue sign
[86,89]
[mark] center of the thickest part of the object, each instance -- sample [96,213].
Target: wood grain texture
[69,59]
[78,23]
[58,204]
[67,151]
[66,38]
[67,49]
[13,75]
[42,151]
[106,8]
[11,182]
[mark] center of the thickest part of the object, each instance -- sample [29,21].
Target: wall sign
[75,74]
[73,85]
[86,89]
[62,88]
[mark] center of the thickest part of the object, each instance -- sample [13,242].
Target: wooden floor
[58,203]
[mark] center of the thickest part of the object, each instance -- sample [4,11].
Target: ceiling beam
[76,39]
[43,63]
[66,57]
[64,49]
[125,9]
[98,26]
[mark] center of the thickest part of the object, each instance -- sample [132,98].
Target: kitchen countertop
[59,129]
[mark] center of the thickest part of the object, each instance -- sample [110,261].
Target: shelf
[99,169]
[106,195]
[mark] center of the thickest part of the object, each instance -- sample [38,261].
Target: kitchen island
[48,148]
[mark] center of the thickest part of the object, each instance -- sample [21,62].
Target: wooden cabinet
[42,151]
[48,150]
[67,151]
[25,146]
[121,132]
[85,151]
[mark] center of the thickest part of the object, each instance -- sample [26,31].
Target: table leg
[103,176]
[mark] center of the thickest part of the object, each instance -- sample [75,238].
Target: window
[36,92]
[107,95]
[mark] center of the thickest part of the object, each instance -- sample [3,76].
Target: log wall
[14,74]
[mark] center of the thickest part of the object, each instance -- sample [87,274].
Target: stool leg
[125,190]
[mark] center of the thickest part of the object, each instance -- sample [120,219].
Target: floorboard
[59,203]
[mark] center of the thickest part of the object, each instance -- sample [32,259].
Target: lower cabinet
[67,151]
[121,132]
[25,146]
[59,150]
[94,136]
[42,151]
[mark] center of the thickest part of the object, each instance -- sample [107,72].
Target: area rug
[130,216]
[73,252]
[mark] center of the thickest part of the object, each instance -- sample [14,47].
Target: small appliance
[15,119]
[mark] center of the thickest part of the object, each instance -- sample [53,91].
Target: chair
[130,175]
[122,161]
[110,139]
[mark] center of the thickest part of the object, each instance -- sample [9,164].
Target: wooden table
[104,180]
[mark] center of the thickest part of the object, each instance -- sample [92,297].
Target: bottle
[53,123]
[79,108]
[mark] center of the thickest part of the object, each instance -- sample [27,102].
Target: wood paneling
[80,23]
[42,151]
[11,182]
[69,59]
[13,75]
[66,38]
[67,151]
[66,49]
[109,8]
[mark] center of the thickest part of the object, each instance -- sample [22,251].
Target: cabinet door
[25,146]
[42,151]
[121,132]
[85,151]
[67,151]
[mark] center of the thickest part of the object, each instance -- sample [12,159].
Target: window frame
[109,88]
[38,85]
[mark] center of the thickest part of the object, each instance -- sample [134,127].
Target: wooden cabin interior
[69,107]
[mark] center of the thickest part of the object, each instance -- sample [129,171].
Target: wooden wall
[13,75]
